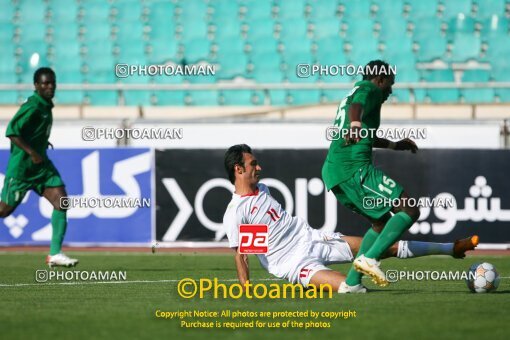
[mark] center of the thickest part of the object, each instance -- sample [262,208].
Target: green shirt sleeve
[17,123]
[366,97]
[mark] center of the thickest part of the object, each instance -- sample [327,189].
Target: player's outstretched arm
[243,272]
[20,142]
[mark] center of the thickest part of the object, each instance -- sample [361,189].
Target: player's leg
[404,217]
[410,249]
[54,194]
[13,193]
[5,210]
[354,277]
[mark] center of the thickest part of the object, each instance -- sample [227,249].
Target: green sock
[59,224]
[392,231]
[354,277]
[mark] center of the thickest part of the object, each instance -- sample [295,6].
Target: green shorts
[15,189]
[369,192]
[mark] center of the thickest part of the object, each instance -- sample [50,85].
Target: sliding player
[297,252]
[30,168]
[349,173]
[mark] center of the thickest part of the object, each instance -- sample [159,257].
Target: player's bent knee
[5,211]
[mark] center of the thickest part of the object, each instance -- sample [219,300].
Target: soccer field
[127,309]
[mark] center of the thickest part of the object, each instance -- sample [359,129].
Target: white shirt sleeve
[231,222]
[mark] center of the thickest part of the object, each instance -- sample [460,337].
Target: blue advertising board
[98,177]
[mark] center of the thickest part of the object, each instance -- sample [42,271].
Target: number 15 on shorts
[253,238]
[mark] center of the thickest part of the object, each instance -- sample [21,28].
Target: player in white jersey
[295,251]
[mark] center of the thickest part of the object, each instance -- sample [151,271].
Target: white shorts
[323,249]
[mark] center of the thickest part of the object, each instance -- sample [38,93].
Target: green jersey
[33,123]
[344,160]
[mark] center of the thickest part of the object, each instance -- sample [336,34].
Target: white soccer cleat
[346,289]
[370,267]
[60,260]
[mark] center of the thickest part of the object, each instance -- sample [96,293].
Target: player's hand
[353,136]
[50,146]
[36,158]
[406,144]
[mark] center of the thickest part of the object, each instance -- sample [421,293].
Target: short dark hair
[233,157]
[40,71]
[377,68]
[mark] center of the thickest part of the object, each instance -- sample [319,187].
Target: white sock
[407,249]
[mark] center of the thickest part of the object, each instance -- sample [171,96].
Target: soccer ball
[482,278]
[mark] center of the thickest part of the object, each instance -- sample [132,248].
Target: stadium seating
[259,40]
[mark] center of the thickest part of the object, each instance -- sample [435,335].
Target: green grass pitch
[421,309]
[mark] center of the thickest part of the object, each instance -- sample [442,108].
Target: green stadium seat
[236,97]
[224,10]
[291,9]
[129,33]
[263,45]
[300,45]
[232,65]
[97,31]
[173,97]
[227,29]
[196,50]
[31,11]
[357,9]
[127,11]
[257,10]
[137,98]
[68,77]
[406,74]
[327,45]
[99,56]
[400,49]
[63,33]
[203,98]
[8,97]
[303,97]
[422,9]
[193,30]
[452,9]
[102,98]
[465,47]
[495,27]
[7,13]
[364,50]
[389,10]
[266,66]
[6,33]
[441,95]
[163,51]
[393,29]
[63,11]
[477,95]
[161,12]
[323,9]
[460,25]
[262,29]
[359,28]
[32,32]
[192,10]
[293,29]
[504,95]
[488,8]
[96,11]
[431,49]
[326,27]
[235,46]
[278,97]
[400,96]
[7,61]
[67,56]
[132,54]
[334,95]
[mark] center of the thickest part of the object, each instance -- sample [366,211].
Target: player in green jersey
[30,168]
[349,173]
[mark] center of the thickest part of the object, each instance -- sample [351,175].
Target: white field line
[106,282]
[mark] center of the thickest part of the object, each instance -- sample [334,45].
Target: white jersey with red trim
[288,235]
